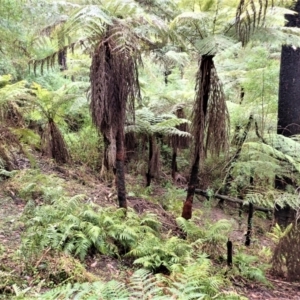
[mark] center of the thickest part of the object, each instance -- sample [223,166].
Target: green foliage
[249,267]
[161,254]
[76,228]
[85,146]
[211,238]
[263,163]
[197,282]
[148,123]
[277,233]
[34,185]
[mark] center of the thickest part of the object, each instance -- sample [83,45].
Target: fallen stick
[234,200]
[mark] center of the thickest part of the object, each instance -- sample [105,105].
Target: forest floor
[81,181]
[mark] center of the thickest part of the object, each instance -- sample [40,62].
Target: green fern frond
[278,233]
[211,45]
[190,228]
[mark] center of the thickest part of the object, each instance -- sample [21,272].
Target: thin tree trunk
[120,172]
[249,229]
[229,253]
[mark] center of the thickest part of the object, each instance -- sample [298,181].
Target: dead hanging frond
[53,144]
[9,145]
[114,79]
[210,116]
[180,142]
[285,260]
[11,115]
[217,119]
[250,15]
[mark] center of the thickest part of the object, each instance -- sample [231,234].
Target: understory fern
[211,239]
[71,226]
[197,281]
[161,255]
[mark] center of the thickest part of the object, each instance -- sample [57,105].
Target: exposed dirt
[78,180]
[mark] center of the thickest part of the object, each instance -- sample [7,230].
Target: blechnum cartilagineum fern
[76,228]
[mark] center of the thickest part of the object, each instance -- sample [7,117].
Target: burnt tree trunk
[249,229]
[206,66]
[120,172]
[229,253]
[289,100]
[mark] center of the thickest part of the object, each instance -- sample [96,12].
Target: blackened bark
[120,172]
[289,100]
[249,230]
[289,84]
[229,253]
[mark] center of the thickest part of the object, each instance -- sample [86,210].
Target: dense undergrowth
[130,104]
[63,233]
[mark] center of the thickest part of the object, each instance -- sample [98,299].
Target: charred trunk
[289,101]
[249,229]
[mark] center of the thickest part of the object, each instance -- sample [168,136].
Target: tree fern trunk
[289,100]
[120,172]
[200,111]
[149,175]
[193,182]
[174,163]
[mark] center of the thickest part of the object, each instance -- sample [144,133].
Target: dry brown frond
[180,142]
[210,116]
[285,261]
[10,114]
[9,143]
[155,163]
[114,80]
[53,144]
[217,119]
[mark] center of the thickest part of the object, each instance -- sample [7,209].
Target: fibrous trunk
[119,166]
[204,75]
